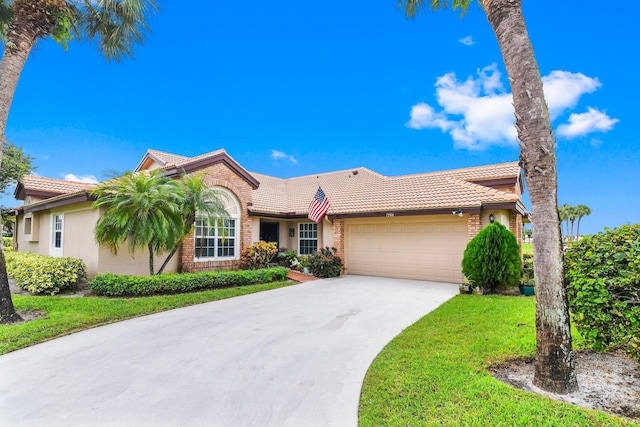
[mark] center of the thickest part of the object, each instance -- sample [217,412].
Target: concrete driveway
[295,356]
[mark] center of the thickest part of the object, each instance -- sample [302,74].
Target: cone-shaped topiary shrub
[492,259]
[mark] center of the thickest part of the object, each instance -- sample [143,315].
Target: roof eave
[67,199]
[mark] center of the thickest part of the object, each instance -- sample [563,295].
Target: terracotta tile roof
[200,157]
[362,190]
[51,185]
[168,159]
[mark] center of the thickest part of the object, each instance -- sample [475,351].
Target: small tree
[492,259]
[142,210]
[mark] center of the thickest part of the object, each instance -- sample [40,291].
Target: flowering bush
[41,274]
[258,255]
[325,263]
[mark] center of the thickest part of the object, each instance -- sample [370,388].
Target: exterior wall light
[491,218]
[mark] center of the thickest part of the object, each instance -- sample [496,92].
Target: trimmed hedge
[7,242]
[42,274]
[602,275]
[120,286]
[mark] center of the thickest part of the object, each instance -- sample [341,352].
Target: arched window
[218,240]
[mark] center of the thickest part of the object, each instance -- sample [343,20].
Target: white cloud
[581,124]
[89,179]
[563,90]
[276,155]
[467,41]
[478,112]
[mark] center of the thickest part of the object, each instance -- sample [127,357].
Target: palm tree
[563,213]
[581,211]
[554,363]
[571,217]
[142,210]
[117,26]
[198,201]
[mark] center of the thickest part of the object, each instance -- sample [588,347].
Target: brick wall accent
[473,225]
[515,226]
[220,175]
[338,236]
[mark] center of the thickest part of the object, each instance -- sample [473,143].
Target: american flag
[319,206]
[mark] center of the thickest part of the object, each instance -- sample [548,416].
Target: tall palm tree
[197,201]
[554,363]
[116,26]
[563,213]
[581,211]
[572,215]
[142,210]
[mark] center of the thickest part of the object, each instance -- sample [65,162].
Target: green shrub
[602,275]
[492,259]
[7,242]
[118,286]
[41,274]
[258,255]
[325,263]
[528,277]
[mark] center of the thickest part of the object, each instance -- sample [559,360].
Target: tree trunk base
[12,318]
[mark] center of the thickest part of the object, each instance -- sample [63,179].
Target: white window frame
[53,250]
[216,238]
[236,236]
[300,234]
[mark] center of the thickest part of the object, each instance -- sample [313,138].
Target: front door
[270,232]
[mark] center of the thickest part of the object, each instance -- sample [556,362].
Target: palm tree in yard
[116,26]
[581,211]
[554,363]
[198,201]
[563,213]
[141,210]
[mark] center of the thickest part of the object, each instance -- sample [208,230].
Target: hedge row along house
[412,226]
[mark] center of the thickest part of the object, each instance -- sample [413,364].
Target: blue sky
[293,88]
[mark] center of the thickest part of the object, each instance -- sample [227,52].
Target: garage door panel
[425,248]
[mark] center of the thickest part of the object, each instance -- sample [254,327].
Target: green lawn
[67,315]
[527,248]
[435,372]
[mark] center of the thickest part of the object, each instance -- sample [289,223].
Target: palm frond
[6,16]
[117,26]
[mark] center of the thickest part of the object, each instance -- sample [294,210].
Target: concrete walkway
[294,356]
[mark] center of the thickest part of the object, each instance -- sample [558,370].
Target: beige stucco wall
[134,265]
[77,234]
[38,241]
[502,216]
[78,242]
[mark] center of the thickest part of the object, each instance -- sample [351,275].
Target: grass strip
[64,315]
[435,372]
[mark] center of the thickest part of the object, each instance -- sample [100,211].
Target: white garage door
[423,248]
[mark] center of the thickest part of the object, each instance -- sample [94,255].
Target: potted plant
[527,280]
[466,287]
[303,263]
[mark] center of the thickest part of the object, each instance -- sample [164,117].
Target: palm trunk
[578,230]
[150,247]
[16,51]
[554,364]
[166,261]
[572,235]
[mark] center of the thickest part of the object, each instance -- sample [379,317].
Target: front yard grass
[64,315]
[527,248]
[435,372]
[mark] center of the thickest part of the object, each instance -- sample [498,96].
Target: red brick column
[338,236]
[473,225]
[515,226]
